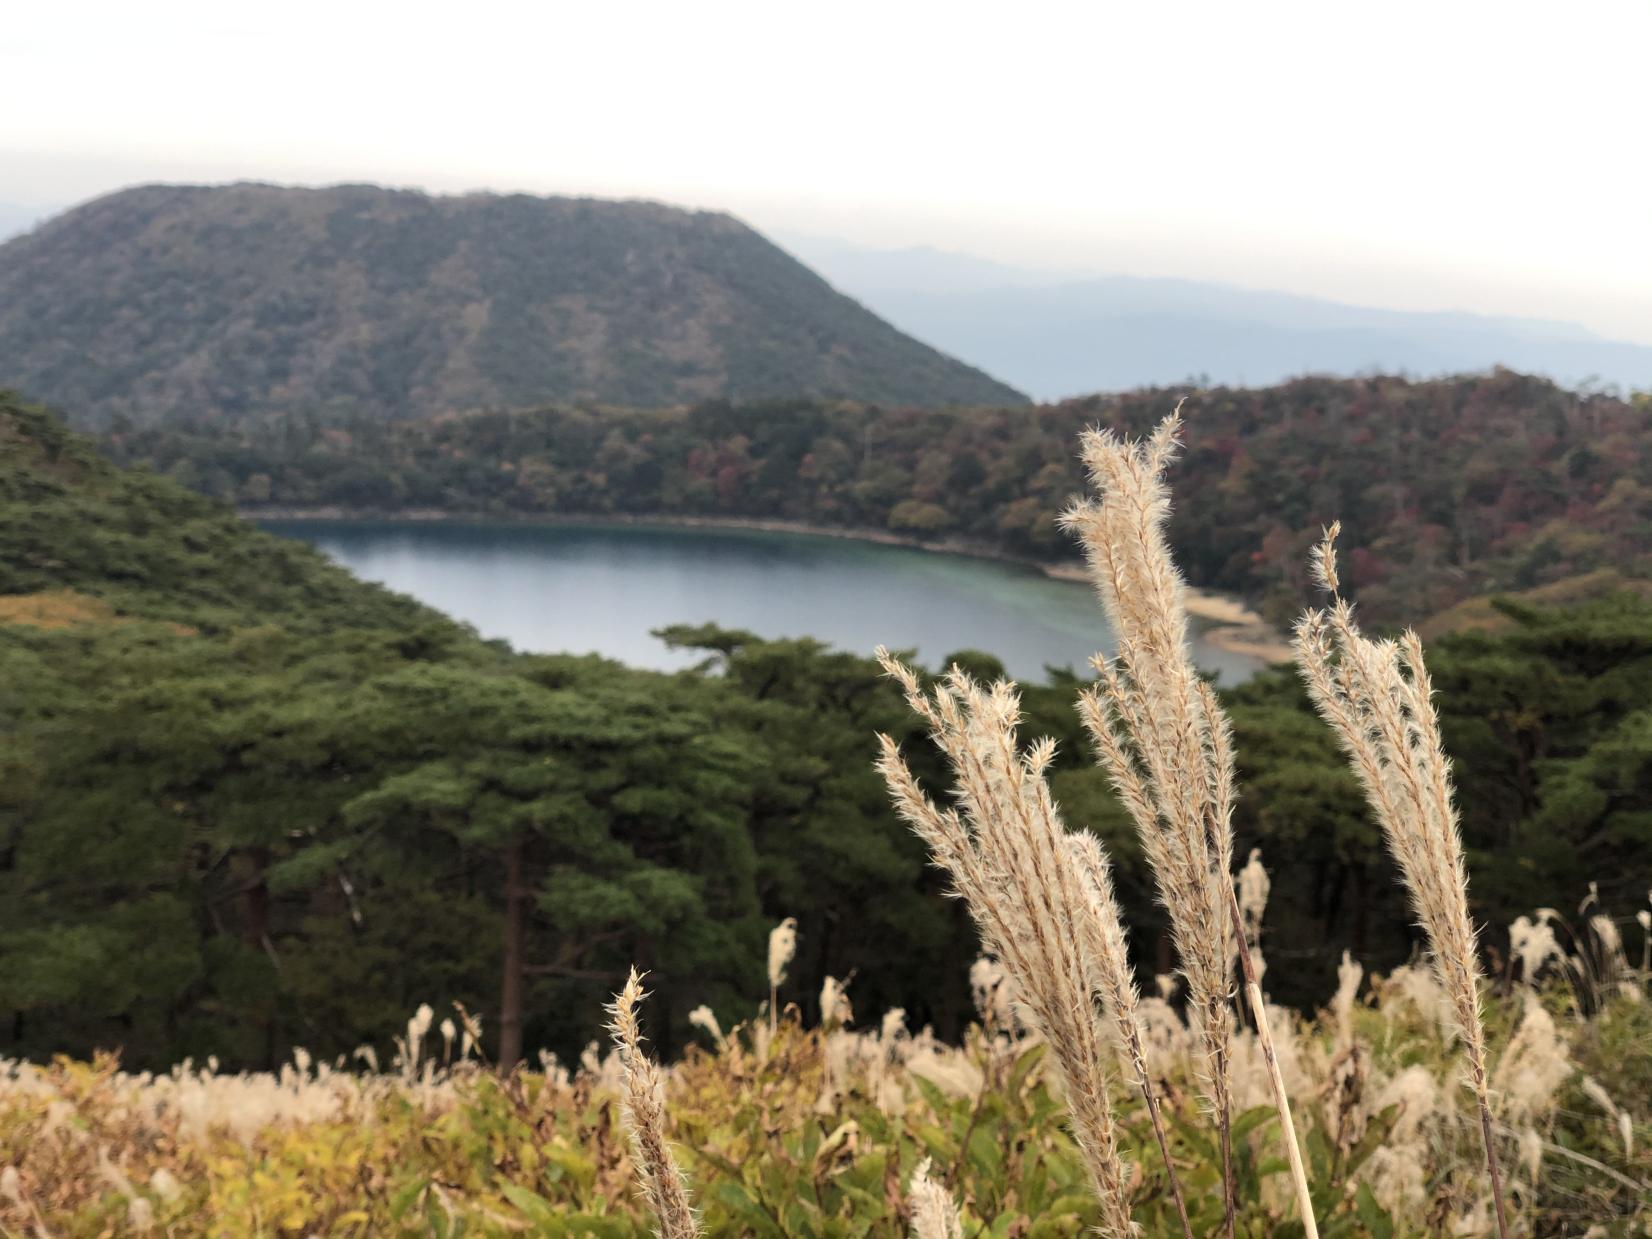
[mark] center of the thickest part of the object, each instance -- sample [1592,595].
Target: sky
[1442,155]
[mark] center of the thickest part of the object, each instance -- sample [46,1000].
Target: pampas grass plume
[1006,851]
[642,1107]
[1378,700]
[1166,745]
[934,1216]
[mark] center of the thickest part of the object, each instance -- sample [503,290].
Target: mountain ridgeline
[165,300]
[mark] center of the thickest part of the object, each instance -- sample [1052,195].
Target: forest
[248,802]
[1449,490]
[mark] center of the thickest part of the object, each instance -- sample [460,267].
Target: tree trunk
[1361,907]
[255,902]
[256,906]
[510,984]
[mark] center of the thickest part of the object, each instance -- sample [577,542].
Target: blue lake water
[604,588]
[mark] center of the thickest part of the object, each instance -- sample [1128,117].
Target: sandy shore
[1238,629]
[1234,626]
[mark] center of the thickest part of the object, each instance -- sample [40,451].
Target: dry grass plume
[1377,698]
[642,1106]
[1166,745]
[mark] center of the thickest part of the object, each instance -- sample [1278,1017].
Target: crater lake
[605,588]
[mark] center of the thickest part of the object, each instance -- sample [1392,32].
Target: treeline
[1446,489]
[248,802]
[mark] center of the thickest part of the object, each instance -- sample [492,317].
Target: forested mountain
[248,802]
[167,300]
[1446,489]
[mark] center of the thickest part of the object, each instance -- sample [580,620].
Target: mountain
[1054,336]
[227,301]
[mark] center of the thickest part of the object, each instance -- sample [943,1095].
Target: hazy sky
[1435,155]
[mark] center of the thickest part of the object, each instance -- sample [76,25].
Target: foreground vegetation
[249,803]
[816,1132]
[1042,894]
[1447,489]
[622,814]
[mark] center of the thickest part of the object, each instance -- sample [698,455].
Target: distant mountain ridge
[1056,336]
[229,301]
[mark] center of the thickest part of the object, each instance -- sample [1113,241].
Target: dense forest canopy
[1447,489]
[248,802]
[170,300]
[303,803]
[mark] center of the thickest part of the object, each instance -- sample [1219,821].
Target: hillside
[248,802]
[1446,489]
[165,301]
[75,526]
[1056,336]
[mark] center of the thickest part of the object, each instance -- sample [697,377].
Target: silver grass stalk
[1005,849]
[934,1216]
[1115,984]
[1166,745]
[782,950]
[642,1107]
[1378,699]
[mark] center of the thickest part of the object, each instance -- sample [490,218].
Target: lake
[603,588]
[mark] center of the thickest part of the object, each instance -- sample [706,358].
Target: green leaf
[1251,1119]
[532,1206]
[1372,1215]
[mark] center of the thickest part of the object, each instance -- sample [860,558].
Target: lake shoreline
[1234,626]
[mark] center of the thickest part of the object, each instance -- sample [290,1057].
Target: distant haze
[1481,157]
[1053,336]
[15,218]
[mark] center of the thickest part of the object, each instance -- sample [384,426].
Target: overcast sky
[1439,155]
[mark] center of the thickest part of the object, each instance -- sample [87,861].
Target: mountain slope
[249,802]
[224,301]
[1055,337]
[72,523]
